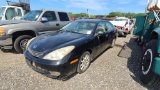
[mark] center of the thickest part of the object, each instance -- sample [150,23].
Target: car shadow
[116,45]
[10,51]
[133,53]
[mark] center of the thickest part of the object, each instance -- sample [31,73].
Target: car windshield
[120,19]
[82,27]
[1,11]
[32,16]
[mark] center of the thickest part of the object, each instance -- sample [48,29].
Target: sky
[95,7]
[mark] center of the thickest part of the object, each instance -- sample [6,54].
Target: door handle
[57,24]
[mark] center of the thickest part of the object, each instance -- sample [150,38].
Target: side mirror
[100,32]
[44,19]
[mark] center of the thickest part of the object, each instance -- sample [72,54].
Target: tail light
[126,29]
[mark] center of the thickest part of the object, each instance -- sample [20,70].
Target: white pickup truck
[11,12]
[123,25]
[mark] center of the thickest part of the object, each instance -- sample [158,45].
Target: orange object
[74,61]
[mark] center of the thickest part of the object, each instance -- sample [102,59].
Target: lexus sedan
[71,49]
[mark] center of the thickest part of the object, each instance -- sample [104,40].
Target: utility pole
[88,13]
[7,2]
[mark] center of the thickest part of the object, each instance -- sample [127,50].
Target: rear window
[63,16]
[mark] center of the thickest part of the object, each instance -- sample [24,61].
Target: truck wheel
[21,42]
[84,62]
[147,76]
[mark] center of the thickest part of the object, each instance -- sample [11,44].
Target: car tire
[113,43]
[84,62]
[125,35]
[147,76]
[21,42]
[129,32]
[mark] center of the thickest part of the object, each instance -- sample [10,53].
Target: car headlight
[59,53]
[2,31]
[29,42]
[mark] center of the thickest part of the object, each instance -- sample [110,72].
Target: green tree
[122,14]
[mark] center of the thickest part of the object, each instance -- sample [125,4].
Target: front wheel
[147,76]
[21,42]
[84,62]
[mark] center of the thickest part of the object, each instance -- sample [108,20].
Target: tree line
[114,14]
[129,14]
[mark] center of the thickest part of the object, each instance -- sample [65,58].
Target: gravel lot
[116,69]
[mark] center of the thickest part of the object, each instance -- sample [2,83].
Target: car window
[108,26]
[10,13]
[32,15]
[82,27]
[101,27]
[50,15]
[63,16]
[19,13]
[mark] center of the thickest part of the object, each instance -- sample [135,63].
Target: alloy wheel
[85,62]
[23,43]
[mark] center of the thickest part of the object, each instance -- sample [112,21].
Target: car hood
[55,40]
[7,22]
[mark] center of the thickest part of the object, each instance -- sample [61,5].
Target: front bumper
[6,42]
[156,65]
[52,69]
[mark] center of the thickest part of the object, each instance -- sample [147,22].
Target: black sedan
[71,49]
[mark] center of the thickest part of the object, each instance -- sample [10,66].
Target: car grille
[35,53]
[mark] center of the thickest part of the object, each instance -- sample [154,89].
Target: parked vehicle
[16,33]
[148,31]
[71,49]
[14,10]
[123,25]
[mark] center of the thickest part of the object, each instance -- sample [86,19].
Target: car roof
[95,20]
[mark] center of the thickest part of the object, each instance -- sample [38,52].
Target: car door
[110,33]
[52,24]
[100,39]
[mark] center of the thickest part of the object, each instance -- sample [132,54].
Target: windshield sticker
[88,32]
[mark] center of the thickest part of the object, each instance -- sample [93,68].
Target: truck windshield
[32,16]
[1,11]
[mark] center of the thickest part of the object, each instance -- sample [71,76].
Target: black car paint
[93,43]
